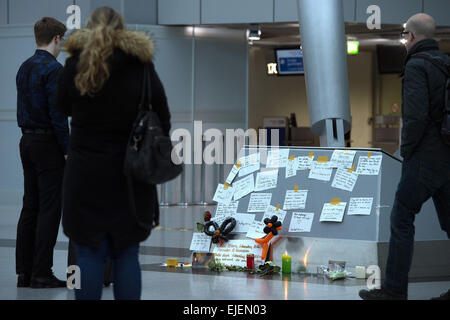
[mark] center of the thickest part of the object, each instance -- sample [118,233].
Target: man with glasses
[43,147]
[426,158]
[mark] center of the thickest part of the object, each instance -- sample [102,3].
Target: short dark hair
[46,29]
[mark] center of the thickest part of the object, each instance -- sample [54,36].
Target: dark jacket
[423,102]
[36,87]
[96,202]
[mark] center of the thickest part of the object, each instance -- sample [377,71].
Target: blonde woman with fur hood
[100,88]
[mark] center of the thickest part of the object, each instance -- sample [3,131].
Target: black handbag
[148,157]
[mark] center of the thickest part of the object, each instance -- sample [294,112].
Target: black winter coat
[96,203]
[423,104]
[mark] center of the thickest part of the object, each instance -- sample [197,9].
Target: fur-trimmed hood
[130,42]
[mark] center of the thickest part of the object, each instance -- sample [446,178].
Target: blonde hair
[93,69]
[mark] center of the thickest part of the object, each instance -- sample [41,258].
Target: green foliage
[268,268]
[217,266]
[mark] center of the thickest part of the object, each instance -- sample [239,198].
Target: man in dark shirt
[43,148]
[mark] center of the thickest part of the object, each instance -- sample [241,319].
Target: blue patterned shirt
[36,88]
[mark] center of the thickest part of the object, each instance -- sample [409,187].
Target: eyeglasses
[404,33]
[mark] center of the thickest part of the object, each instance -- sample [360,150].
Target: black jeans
[419,182]
[37,229]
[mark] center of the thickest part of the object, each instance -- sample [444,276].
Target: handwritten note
[301,222]
[321,171]
[291,168]
[344,180]
[360,206]
[256,230]
[234,252]
[219,219]
[277,158]
[200,242]
[369,166]
[295,200]
[243,187]
[243,222]
[223,194]
[304,163]
[272,211]
[249,164]
[234,171]
[224,209]
[342,159]
[333,212]
[266,180]
[259,202]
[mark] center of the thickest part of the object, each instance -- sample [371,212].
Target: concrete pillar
[325,60]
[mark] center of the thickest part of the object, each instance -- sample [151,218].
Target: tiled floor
[172,241]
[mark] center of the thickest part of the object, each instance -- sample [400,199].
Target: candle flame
[305,258]
[285,253]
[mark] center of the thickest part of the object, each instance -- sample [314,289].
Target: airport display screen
[290,62]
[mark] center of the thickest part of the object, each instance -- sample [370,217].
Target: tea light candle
[172,262]
[360,272]
[286,263]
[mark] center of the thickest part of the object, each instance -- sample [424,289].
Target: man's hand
[65,156]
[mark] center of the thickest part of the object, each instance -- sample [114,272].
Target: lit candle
[286,263]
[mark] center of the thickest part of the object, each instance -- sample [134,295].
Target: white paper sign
[344,180]
[301,222]
[291,168]
[277,158]
[200,242]
[295,200]
[342,159]
[234,171]
[321,171]
[250,164]
[243,187]
[234,252]
[256,230]
[272,211]
[243,222]
[266,180]
[304,163]
[223,195]
[333,212]
[369,166]
[224,209]
[219,219]
[360,206]
[259,202]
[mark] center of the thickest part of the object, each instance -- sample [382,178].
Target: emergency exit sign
[352,47]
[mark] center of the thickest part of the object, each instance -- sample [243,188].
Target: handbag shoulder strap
[146,93]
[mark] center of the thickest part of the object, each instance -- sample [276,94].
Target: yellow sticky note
[369,154]
[226,185]
[311,154]
[278,207]
[353,168]
[322,159]
[335,201]
[291,158]
[296,188]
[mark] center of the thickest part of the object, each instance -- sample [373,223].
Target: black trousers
[37,229]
